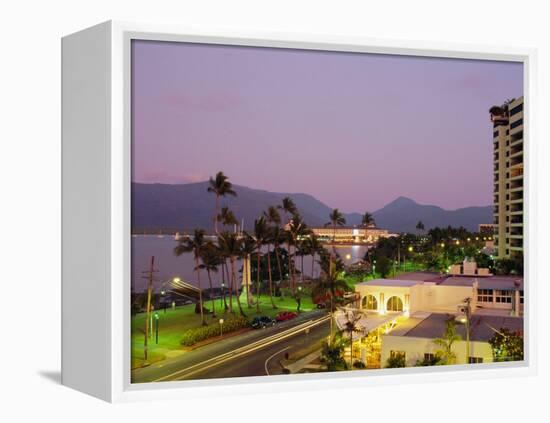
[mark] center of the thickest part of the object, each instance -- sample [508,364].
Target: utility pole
[149,276]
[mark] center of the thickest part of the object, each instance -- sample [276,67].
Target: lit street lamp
[221,327]
[157,320]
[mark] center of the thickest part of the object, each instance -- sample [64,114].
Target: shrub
[395,361]
[359,365]
[192,336]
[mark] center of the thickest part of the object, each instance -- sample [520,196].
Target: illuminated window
[397,354]
[394,304]
[370,302]
[485,295]
[503,296]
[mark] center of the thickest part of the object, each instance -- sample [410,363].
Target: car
[321,305]
[285,315]
[262,322]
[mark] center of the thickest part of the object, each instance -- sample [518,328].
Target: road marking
[247,349]
[271,356]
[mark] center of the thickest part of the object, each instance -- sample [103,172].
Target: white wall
[415,348]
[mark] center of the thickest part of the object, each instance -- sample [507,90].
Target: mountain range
[187,206]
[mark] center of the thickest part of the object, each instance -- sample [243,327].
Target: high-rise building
[508,177]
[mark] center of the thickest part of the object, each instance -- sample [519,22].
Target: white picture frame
[96,208]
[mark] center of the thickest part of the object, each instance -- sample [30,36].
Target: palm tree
[368,220]
[296,228]
[196,245]
[220,186]
[336,219]
[350,327]
[210,261]
[446,354]
[274,219]
[261,236]
[420,226]
[248,247]
[227,217]
[315,247]
[231,245]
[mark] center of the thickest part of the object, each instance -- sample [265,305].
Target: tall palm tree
[248,247]
[351,326]
[296,227]
[336,219]
[289,209]
[315,247]
[231,245]
[220,186]
[261,236]
[222,262]
[273,217]
[196,245]
[210,262]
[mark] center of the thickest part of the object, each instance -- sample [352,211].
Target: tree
[507,345]
[231,247]
[446,355]
[420,226]
[220,186]
[227,217]
[210,261]
[196,245]
[351,326]
[248,247]
[261,236]
[331,354]
[384,266]
[396,360]
[336,219]
[368,220]
[289,209]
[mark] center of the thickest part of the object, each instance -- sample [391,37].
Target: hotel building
[350,234]
[508,178]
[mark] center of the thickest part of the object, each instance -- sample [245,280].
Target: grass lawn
[174,322]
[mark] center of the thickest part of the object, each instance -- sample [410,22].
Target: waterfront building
[507,123]
[351,234]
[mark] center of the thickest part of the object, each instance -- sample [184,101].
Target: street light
[157,320]
[221,327]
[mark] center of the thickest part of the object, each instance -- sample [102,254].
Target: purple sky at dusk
[354,130]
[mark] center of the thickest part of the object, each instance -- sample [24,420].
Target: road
[253,353]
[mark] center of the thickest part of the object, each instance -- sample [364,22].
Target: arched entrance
[394,304]
[369,302]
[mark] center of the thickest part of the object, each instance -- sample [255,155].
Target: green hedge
[192,336]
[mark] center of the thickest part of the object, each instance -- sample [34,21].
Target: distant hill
[188,206]
[402,215]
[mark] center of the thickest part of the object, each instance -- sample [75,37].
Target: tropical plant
[248,248]
[420,226]
[210,261]
[196,245]
[350,326]
[507,345]
[261,237]
[220,186]
[336,219]
[396,360]
[231,247]
[227,217]
[331,354]
[192,336]
[367,219]
[446,354]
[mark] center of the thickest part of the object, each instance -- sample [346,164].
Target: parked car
[262,322]
[285,315]
[321,305]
